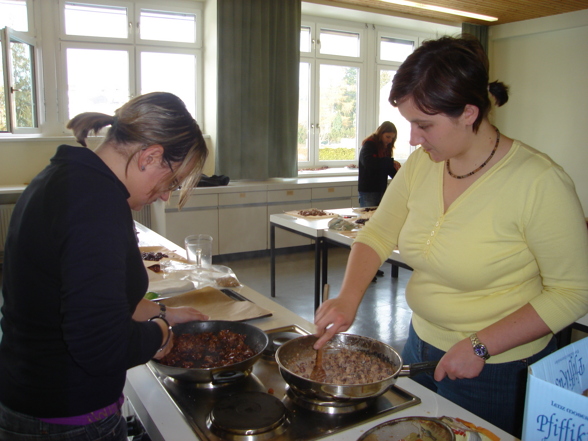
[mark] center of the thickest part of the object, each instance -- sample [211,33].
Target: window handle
[12,90]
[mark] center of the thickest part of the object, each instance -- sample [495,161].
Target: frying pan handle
[410,370]
[226,376]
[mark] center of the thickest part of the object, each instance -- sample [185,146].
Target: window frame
[9,35]
[316,60]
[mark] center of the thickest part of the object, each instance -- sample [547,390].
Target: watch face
[480,350]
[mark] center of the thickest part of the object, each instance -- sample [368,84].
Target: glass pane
[21,57]
[387,112]
[13,14]
[305,39]
[338,112]
[99,88]
[395,49]
[167,26]
[96,20]
[174,73]
[304,113]
[339,43]
[3,102]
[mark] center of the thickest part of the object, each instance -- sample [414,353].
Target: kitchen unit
[183,412]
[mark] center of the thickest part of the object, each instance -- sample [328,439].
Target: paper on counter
[217,305]
[169,287]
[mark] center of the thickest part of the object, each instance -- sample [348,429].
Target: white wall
[545,63]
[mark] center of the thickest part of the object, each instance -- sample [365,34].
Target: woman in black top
[376,164]
[74,317]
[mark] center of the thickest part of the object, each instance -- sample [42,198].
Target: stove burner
[294,397]
[248,414]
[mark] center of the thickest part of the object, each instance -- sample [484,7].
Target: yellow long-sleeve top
[516,236]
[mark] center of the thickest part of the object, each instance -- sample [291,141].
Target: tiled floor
[383,313]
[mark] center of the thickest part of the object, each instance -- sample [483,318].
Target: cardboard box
[555,409]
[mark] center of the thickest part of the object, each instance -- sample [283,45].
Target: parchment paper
[217,305]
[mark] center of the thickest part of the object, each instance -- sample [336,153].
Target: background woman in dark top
[376,164]
[74,317]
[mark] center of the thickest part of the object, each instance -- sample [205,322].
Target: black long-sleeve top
[373,170]
[73,276]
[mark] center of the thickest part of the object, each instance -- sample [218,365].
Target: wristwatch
[162,310]
[479,348]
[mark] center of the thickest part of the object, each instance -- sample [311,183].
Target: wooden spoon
[318,372]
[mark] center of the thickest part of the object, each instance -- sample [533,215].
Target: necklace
[481,166]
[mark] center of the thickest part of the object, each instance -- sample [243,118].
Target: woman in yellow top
[494,232]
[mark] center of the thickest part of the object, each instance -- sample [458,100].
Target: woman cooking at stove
[494,232]
[74,317]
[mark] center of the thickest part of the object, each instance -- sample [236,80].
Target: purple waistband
[89,418]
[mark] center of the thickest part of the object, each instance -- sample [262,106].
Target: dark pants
[370,199]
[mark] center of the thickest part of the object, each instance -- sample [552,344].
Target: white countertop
[164,422]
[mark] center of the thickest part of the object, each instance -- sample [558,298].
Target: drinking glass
[199,250]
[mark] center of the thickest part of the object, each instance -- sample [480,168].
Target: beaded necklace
[481,166]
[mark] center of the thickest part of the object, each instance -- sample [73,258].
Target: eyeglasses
[175,184]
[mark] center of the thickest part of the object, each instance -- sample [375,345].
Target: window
[115,50]
[343,93]
[18,82]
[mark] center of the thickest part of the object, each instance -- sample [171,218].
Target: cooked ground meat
[312,212]
[345,366]
[150,255]
[208,350]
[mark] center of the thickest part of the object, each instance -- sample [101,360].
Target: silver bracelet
[169,331]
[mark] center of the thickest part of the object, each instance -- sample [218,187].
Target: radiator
[5,213]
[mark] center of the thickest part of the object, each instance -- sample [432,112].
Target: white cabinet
[243,222]
[199,216]
[280,201]
[332,197]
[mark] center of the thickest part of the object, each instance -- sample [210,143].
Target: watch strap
[162,310]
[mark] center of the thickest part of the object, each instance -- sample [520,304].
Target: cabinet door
[180,224]
[243,228]
[199,216]
[280,201]
[243,221]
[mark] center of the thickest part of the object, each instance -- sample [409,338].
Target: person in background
[376,164]
[493,229]
[74,314]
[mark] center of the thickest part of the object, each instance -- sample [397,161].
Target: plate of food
[311,213]
[410,429]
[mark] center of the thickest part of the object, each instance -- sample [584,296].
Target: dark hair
[385,127]
[154,118]
[444,75]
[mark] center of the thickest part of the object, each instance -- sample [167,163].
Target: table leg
[317,272]
[273,260]
[324,279]
[394,271]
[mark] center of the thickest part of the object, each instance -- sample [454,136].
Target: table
[318,230]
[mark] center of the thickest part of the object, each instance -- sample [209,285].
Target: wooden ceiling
[507,11]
